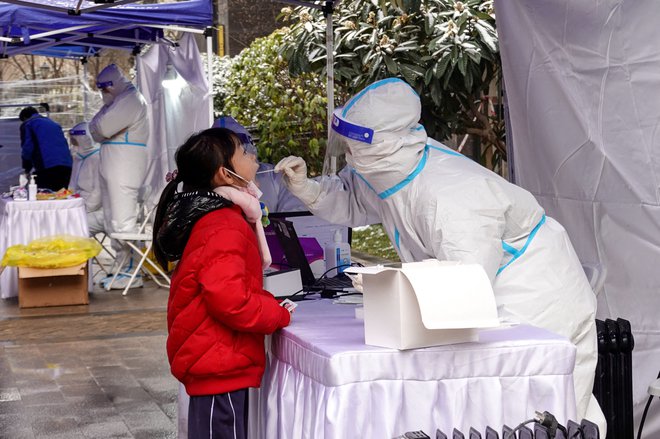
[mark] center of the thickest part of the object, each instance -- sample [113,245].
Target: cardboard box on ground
[428,303]
[39,287]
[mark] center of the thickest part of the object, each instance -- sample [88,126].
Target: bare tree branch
[14,60]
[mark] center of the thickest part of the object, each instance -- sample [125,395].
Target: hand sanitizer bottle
[20,192]
[337,256]
[32,189]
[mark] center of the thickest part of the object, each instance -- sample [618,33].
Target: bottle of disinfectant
[337,254]
[32,189]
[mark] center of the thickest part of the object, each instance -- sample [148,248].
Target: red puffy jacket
[218,311]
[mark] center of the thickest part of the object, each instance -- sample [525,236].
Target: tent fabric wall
[174,113]
[10,153]
[583,81]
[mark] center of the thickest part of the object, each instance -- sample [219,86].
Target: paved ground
[94,371]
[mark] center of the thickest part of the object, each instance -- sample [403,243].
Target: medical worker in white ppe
[121,127]
[435,203]
[85,174]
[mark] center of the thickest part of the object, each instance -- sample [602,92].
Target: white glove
[356,280]
[294,171]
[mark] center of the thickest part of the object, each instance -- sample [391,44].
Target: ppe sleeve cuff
[309,193]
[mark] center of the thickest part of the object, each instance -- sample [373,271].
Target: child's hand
[289,305]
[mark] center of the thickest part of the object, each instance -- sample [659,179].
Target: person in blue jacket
[45,150]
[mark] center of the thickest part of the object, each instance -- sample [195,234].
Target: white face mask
[251,188]
[107,98]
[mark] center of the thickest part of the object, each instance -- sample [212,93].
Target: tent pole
[209,70]
[330,60]
[85,86]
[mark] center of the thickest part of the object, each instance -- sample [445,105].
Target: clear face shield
[74,136]
[104,88]
[247,143]
[341,132]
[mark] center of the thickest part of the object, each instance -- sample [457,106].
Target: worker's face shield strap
[341,131]
[77,132]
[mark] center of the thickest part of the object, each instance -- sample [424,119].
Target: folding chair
[109,252]
[133,241]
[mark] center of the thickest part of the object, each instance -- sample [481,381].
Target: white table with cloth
[322,381]
[24,221]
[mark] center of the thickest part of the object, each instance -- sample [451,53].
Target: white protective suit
[85,174]
[435,203]
[122,128]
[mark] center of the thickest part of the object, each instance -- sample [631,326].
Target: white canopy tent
[71,7]
[176,111]
[583,81]
[78,29]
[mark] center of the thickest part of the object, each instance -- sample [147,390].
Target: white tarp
[175,113]
[10,153]
[583,86]
[70,99]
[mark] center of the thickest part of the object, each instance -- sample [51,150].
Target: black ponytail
[197,160]
[165,199]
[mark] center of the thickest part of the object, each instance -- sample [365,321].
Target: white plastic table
[324,382]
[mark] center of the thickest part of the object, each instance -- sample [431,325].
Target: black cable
[310,292]
[548,420]
[333,268]
[545,419]
[563,429]
[646,410]
[352,264]
[512,434]
[295,294]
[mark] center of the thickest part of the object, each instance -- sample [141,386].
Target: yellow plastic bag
[52,252]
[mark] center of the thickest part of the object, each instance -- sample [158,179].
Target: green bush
[374,241]
[447,50]
[221,71]
[287,115]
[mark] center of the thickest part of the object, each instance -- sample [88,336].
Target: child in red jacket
[218,311]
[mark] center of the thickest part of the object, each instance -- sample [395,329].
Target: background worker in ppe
[275,195]
[85,174]
[435,203]
[44,149]
[121,127]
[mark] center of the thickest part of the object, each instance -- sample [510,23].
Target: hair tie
[172,176]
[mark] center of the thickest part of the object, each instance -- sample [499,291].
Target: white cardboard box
[283,283]
[427,303]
